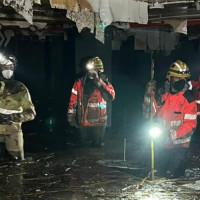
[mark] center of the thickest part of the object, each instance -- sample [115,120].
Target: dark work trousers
[195,140]
[2,151]
[171,162]
[94,134]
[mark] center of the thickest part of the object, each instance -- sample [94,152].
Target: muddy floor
[90,173]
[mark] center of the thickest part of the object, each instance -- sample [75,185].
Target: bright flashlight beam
[1,56]
[155,132]
[90,66]
[3,60]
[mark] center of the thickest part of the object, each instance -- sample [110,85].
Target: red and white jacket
[195,86]
[178,112]
[91,110]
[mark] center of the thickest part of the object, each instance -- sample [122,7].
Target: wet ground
[79,173]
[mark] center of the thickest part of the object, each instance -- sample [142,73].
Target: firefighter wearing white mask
[15,108]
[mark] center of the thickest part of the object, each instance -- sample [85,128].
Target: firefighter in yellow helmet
[88,103]
[176,110]
[178,75]
[15,108]
[94,67]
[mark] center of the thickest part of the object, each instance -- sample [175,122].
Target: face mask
[179,85]
[7,74]
[90,74]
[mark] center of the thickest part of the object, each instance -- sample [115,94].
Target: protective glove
[93,74]
[5,118]
[158,96]
[71,119]
[172,135]
[150,90]
[150,87]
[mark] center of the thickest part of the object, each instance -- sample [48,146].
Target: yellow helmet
[178,69]
[95,64]
[98,64]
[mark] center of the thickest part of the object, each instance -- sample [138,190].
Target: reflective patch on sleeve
[154,107]
[190,85]
[175,123]
[74,91]
[10,112]
[190,116]
[93,105]
[101,105]
[71,111]
[181,141]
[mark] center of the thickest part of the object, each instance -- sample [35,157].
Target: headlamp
[3,59]
[90,66]
[6,60]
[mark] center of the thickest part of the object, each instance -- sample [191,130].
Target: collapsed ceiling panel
[157,10]
[121,11]
[71,5]
[23,7]
[59,15]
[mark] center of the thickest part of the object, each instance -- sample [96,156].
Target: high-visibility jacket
[90,109]
[178,112]
[195,86]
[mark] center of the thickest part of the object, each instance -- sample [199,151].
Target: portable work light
[154,132]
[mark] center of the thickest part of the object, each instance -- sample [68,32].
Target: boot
[17,155]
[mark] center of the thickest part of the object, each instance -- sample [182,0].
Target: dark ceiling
[41,13]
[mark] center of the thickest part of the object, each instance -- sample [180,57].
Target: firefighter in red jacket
[195,87]
[88,103]
[176,110]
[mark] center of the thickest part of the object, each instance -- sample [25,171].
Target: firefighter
[195,87]
[175,108]
[88,103]
[15,108]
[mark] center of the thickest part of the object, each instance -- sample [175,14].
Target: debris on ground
[92,174]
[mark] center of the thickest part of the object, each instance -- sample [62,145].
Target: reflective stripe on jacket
[15,100]
[93,112]
[177,114]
